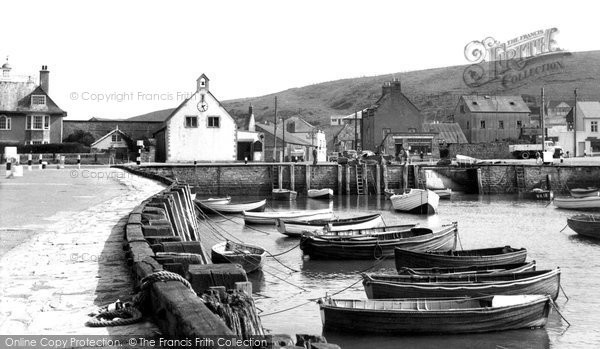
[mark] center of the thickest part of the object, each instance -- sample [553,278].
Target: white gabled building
[199,129]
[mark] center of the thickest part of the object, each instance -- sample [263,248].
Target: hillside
[434,91]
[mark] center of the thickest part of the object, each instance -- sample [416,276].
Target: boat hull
[417,201]
[250,257]
[374,247]
[482,257]
[584,203]
[320,193]
[297,228]
[501,268]
[471,285]
[284,194]
[256,206]
[584,192]
[586,225]
[532,312]
[272,217]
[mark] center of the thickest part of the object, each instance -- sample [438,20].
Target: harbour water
[288,286]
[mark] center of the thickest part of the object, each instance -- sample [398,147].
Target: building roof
[12,92]
[555,103]
[449,131]
[495,104]
[110,134]
[50,107]
[158,115]
[289,137]
[588,109]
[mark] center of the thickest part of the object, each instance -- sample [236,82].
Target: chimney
[45,79]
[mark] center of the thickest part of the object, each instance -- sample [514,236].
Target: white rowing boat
[271,217]
[589,202]
[325,193]
[421,201]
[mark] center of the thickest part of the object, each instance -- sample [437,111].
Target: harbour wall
[259,179]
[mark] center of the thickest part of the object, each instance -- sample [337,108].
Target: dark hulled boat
[378,245]
[382,286]
[449,315]
[585,224]
[500,268]
[462,258]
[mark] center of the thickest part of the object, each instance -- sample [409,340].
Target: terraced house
[27,113]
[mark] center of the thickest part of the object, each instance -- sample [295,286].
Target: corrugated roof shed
[450,132]
[589,109]
[495,104]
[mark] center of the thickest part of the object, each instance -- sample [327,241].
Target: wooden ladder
[520,172]
[360,183]
[419,180]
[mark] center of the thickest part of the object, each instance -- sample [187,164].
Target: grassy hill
[434,91]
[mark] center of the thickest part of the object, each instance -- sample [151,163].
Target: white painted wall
[186,144]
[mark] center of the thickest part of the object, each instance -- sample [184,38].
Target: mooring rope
[558,311]
[563,292]
[312,300]
[126,313]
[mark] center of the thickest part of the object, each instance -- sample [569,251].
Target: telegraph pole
[542,122]
[575,125]
[355,130]
[275,133]
[283,129]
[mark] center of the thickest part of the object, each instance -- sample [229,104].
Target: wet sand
[61,233]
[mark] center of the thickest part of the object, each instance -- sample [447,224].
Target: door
[580,148]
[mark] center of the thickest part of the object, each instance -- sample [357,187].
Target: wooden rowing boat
[325,193]
[462,258]
[250,257]
[284,194]
[501,268]
[583,203]
[295,228]
[585,224]
[223,200]
[378,245]
[444,194]
[419,201]
[383,286]
[237,207]
[448,315]
[539,194]
[584,192]
[271,217]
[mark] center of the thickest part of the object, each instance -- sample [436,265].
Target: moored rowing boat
[295,227]
[271,217]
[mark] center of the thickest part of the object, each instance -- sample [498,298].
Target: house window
[500,124]
[116,137]
[482,124]
[519,124]
[594,126]
[191,121]
[5,73]
[213,121]
[36,142]
[4,122]
[468,125]
[38,122]
[462,109]
[38,100]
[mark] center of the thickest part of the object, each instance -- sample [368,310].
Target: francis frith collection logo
[512,62]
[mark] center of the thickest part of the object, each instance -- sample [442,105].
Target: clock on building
[202,106]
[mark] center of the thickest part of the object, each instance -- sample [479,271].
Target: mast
[355,130]
[542,122]
[575,125]
[275,133]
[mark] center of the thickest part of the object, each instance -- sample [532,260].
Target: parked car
[334,156]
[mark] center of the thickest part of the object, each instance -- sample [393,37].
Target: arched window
[4,122]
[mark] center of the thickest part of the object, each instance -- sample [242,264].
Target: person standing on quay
[314,155]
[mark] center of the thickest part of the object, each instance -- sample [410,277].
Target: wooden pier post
[366,178]
[479,182]
[292,177]
[385,175]
[378,179]
[280,176]
[347,179]
[307,177]
[339,179]
[405,176]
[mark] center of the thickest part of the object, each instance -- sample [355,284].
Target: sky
[117,59]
